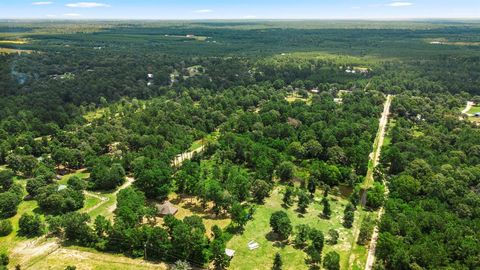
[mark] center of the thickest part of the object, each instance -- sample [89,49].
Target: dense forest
[260,109]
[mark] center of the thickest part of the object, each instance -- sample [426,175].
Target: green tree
[333,236]
[76,183]
[303,201]
[326,212]
[348,215]
[218,245]
[281,224]
[260,190]
[287,196]
[302,235]
[285,171]
[239,215]
[5,227]
[277,262]
[6,180]
[366,230]
[332,261]
[9,202]
[31,225]
[4,260]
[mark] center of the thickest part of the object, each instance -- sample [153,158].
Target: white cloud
[203,11]
[400,4]
[51,16]
[250,17]
[72,15]
[41,3]
[87,5]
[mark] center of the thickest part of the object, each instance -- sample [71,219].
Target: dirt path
[375,159]
[102,201]
[468,107]
[128,183]
[179,159]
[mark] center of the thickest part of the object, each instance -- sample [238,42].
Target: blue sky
[236,9]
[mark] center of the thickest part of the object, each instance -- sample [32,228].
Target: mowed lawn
[258,229]
[474,110]
[9,241]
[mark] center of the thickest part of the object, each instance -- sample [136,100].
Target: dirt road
[375,159]
[468,107]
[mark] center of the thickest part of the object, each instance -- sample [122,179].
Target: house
[315,91]
[477,114]
[362,70]
[149,76]
[167,208]
[61,187]
[190,36]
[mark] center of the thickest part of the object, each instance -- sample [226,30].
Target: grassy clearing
[105,208]
[8,50]
[189,206]
[295,96]
[16,42]
[212,137]
[82,173]
[258,229]
[9,241]
[96,114]
[47,254]
[474,110]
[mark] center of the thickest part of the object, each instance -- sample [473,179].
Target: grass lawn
[105,208]
[294,97]
[82,173]
[258,229]
[474,110]
[9,241]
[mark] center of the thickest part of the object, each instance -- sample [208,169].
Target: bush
[5,227]
[280,223]
[31,225]
[4,260]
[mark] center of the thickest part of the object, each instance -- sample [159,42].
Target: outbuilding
[167,208]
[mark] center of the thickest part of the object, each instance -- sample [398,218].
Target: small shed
[149,76]
[167,208]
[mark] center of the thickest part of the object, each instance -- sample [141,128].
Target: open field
[259,228]
[295,96]
[9,241]
[189,206]
[47,253]
[17,42]
[8,50]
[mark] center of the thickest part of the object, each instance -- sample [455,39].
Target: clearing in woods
[258,230]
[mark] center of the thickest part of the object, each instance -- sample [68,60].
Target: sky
[239,9]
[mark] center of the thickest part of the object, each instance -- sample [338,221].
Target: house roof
[167,208]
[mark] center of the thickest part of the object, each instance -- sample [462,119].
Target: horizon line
[244,19]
